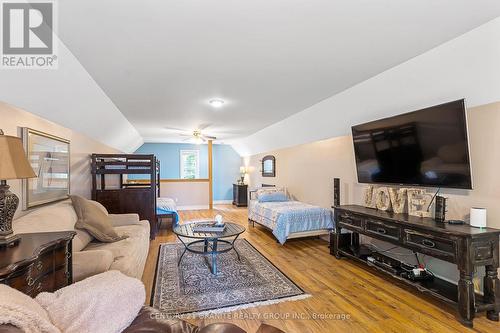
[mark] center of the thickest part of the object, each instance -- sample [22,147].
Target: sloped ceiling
[160,61]
[465,67]
[70,97]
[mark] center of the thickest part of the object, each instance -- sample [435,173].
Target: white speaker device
[478,217]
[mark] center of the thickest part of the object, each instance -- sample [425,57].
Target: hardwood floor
[345,296]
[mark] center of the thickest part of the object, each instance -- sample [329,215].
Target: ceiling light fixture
[216,102]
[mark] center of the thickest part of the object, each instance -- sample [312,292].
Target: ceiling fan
[196,135]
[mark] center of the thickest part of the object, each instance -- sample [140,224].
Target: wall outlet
[176,199]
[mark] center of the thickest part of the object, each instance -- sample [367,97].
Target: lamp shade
[13,161]
[243,170]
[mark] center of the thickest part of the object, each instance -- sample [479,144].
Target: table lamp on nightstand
[13,165]
[243,172]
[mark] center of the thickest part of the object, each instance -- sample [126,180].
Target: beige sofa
[91,257]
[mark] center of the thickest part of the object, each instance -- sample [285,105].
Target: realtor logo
[28,35]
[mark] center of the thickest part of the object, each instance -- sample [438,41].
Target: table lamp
[243,172]
[13,165]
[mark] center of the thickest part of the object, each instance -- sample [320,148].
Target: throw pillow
[267,190]
[94,220]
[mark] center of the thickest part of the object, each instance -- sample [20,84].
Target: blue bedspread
[165,206]
[287,217]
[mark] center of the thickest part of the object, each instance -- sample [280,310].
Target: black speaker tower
[440,209]
[336,191]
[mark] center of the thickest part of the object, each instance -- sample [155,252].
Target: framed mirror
[269,166]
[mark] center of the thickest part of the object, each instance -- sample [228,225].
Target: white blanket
[23,312]
[166,204]
[104,303]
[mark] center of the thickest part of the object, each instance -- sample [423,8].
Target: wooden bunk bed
[124,196]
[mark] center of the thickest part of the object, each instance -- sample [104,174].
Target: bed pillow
[266,190]
[273,197]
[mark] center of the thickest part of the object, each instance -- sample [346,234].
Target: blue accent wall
[169,156]
[226,164]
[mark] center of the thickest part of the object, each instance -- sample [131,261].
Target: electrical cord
[405,255]
[389,249]
[434,197]
[418,261]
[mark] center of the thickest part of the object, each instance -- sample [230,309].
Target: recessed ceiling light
[216,102]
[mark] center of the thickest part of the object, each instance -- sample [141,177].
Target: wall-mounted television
[428,147]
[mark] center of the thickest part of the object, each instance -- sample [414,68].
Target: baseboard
[223,202]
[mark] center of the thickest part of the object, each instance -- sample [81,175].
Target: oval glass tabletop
[186,230]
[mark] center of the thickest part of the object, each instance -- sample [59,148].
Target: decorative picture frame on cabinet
[49,156]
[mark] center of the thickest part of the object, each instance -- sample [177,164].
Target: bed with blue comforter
[287,218]
[167,207]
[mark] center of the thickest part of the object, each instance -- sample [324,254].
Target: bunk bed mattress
[166,206]
[287,217]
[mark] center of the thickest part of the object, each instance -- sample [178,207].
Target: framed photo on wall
[49,157]
[269,166]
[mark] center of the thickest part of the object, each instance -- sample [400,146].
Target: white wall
[12,119]
[188,195]
[467,66]
[69,96]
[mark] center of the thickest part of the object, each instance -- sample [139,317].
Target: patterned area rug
[191,289]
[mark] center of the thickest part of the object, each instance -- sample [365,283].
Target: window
[190,164]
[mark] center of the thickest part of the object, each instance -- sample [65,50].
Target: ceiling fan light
[198,140]
[216,102]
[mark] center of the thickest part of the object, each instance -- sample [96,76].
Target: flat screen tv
[428,147]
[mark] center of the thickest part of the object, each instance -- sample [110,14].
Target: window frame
[183,152]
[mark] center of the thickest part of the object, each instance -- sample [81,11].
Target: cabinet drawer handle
[381,231]
[39,287]
[30,282]
[428,243]
[68,255]
[39,266]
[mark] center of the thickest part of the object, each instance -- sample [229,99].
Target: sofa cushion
[94,220]
[124,219]
[129,254]
[81,239]
[91,262]
[57,217]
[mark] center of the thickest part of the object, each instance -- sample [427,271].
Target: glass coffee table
[208,243]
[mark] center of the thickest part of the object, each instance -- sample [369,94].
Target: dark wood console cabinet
[40,262]
[465,246]
[240,195]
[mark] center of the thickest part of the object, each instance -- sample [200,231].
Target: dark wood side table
[240,195]
[40,262]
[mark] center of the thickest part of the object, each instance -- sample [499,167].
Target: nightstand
[40,262]
[240,195]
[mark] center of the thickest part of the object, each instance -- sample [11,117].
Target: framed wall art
[269,166]
[49,157]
